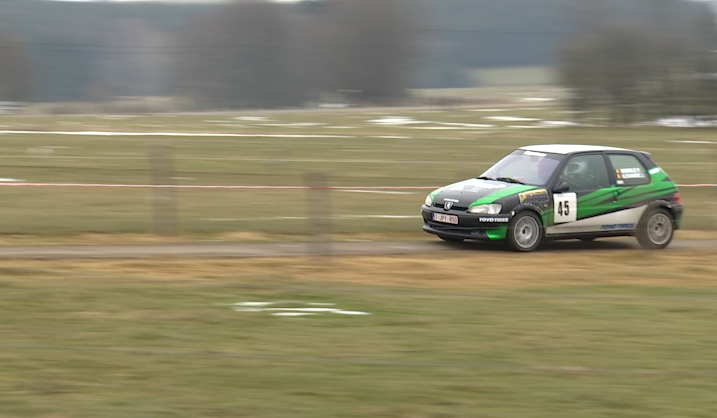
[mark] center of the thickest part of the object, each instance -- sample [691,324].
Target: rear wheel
[655,230]
[524,232]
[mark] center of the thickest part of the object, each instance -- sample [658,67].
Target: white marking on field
[402,121]
[291,311]
[557,123]
[693,142]
[536,99]
[340,127]
[527,126]
[438,128]
[466,125]
[177,134]
[686,122]
[394,120]
[511,118]
[377,191]
[392,137]
[254,303]
[294,124]
[253,118]
[512,109]
[9,180]
[306,218]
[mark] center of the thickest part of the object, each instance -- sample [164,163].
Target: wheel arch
[662,204]
[542,213]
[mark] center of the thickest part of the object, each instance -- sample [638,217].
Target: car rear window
[629,171]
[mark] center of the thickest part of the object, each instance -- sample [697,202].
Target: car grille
[461,208]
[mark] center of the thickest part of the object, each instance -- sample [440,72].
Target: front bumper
[470,226]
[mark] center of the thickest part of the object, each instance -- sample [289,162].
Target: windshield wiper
[509,180]
[485,178]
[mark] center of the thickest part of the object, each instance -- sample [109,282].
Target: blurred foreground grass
[604,333]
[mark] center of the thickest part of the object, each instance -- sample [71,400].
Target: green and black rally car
[559,192]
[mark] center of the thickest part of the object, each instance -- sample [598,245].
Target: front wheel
[655,230]
[524,232]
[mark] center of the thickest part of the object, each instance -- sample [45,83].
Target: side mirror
[561,187]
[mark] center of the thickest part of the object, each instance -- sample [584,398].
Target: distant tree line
[628,59]
[649,61]
[16,82]
[269,55]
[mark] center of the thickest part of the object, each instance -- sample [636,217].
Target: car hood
[479,191]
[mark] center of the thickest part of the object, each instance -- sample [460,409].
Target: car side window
[629,171]
[586,172]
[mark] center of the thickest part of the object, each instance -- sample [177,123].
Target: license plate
[447,219]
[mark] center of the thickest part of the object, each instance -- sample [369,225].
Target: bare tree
[659,61]
[16,81]
[269,55]
[370,46]
[236,57]
[139,67]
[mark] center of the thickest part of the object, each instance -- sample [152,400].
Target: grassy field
[491,334]
[597,333]
[354,147]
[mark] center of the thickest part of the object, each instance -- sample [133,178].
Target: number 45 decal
[565,207]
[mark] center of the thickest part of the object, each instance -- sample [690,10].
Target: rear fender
[664,204]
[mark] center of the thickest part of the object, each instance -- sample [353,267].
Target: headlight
[429,200]
[492,209]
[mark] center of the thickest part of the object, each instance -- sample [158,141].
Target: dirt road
[284,249]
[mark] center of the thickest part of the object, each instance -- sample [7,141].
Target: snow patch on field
[253,118]
[292,125]
[558,123]
[537,99]
[394,120]
[511,119]
[291,309]
[403,121]
[692,142]
[176,134]
[687,122]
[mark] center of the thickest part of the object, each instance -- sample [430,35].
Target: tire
[525,232]
[450,239]
[656,229]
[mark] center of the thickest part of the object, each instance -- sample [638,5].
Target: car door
[632,190]
[585,193]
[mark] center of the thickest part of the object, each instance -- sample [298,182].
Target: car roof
[570,148]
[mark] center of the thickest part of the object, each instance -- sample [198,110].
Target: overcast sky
[172,1]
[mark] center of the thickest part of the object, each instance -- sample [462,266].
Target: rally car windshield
[527,167]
